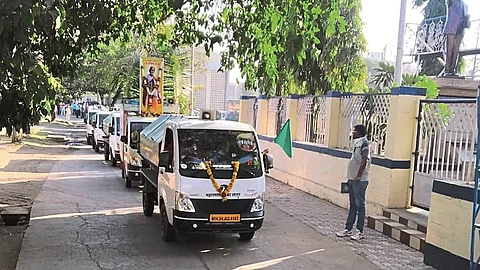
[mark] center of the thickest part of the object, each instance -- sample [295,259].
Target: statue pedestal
[457,87]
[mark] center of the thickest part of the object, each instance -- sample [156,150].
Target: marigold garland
[224,193]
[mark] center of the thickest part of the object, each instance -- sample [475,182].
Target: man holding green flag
[284,139]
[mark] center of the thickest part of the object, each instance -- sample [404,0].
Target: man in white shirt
[357,175]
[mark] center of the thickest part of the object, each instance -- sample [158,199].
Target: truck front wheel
[106,152]
[113,161]
[97,148]
[148,200]
[246,236]
[128,181]
[168,232]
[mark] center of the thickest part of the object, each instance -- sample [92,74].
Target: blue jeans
[356,194]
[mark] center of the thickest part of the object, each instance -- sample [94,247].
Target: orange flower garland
[224,193]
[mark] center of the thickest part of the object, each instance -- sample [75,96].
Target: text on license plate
[225,218]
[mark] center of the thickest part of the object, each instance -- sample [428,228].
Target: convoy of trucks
[204,174]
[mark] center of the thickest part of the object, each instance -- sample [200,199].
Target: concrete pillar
[332,125]
[243,115]
[292,104]
[400,142]
[262,115]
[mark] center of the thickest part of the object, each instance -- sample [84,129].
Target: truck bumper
[189,223]
[133,172]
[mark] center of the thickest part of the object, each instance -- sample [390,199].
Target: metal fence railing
[311,119]
[277,111]
[371,110]
[252,112]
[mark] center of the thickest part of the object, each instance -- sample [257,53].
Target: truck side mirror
[268,162]
[164,160]
[123,139]
[110,130]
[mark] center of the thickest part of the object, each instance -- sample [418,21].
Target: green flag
[284,139]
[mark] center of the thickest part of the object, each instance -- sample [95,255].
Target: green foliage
[384,77]
[429,84]
[316,44]
[432,9]
[46,39]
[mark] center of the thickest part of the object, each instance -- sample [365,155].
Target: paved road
[84,218]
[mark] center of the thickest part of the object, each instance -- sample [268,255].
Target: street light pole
[192,79]
[401,37]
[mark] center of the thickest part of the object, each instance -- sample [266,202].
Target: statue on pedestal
[457,20]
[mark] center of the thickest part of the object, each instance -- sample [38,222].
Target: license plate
[225,218]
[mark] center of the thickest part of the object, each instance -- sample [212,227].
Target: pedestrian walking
[67,113]
[357,175]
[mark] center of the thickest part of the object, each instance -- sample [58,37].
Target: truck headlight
[258,203]
[183,203]
[135,161]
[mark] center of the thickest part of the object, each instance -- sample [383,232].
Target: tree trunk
[278,88]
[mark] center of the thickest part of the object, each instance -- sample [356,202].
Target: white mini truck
[205,175]
[112,138]
[130,160]
[98,132]
[89,127]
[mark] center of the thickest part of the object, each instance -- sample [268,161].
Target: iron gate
[445,145]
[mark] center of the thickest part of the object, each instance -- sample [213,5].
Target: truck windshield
[101,117]
[91,117]
[135,129]
[221,147]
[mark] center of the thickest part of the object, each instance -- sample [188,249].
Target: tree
[384,77]
[317,44]
[41,41]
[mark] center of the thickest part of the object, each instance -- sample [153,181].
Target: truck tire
[106,152]
[113,161]
[97,148]
[246,236]
[148,201]
[128,182]
[168,232]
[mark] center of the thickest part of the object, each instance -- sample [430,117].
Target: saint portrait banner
[151,86]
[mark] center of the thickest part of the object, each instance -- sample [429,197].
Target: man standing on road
[357,175]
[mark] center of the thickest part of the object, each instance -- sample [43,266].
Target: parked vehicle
[111,127]
[98,133]
[130,161]
[88,120]
[205,175]
[89,125]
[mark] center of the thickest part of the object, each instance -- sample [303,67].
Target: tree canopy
[317,44]
[42,41]
[281,47]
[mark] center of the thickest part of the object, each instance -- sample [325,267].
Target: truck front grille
[216,206]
